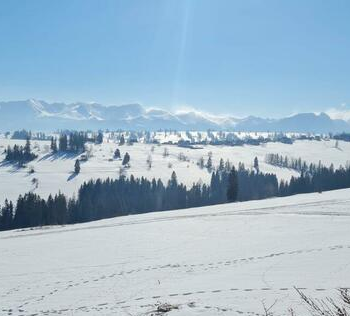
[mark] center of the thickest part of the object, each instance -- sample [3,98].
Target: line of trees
[20,154]
[313,177]
[98,199]
[318,179]
[296,164]
[72,142]
[343,136]
[288,162]
[22,134]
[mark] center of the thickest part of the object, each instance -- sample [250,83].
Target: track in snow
[208,261]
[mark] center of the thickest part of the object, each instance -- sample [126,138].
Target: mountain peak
[40,115]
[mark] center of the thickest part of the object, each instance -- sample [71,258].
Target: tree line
[20,154]
[296,164]
[74,141]
[343,136]
[98,199]
[317,179]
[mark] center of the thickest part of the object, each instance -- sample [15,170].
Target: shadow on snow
[59,155]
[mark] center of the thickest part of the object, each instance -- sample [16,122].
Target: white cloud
[342,113]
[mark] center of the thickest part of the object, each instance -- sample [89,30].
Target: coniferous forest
[20,154]
[98,199]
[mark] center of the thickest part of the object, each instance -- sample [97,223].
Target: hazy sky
[268,58]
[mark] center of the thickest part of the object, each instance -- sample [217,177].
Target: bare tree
[35,182]
[200,162]
[166,152]
[268,309]
[328,307]
[89,151]
[182,157]
[336,144]
[149,162]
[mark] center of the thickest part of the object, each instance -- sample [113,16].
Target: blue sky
[268,58]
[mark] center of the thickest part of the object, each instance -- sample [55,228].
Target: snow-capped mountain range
[41,115]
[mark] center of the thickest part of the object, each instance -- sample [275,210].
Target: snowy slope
[217,260]
[55,172]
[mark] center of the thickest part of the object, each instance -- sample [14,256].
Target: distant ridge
[40,115]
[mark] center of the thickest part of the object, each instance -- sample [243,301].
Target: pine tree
[221,165]
[53,145]
[256,164]
[63,142]
[6,216]
[149,161]
[232,186]
[126,159]
[209,164]
[122,140]
[117,154]
[27,147]
[173,180]
[99,138]
[200,162]
[77,167]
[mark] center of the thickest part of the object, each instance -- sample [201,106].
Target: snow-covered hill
[54,172]
[218,260]
[40,115]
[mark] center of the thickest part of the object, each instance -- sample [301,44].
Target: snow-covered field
[54,172]
[217,260]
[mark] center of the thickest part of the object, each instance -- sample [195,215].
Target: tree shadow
[71,176]
[59,155]
[15,166]
[5,163]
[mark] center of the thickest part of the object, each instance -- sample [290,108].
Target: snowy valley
[54,171]
[174,158]
[227,259]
